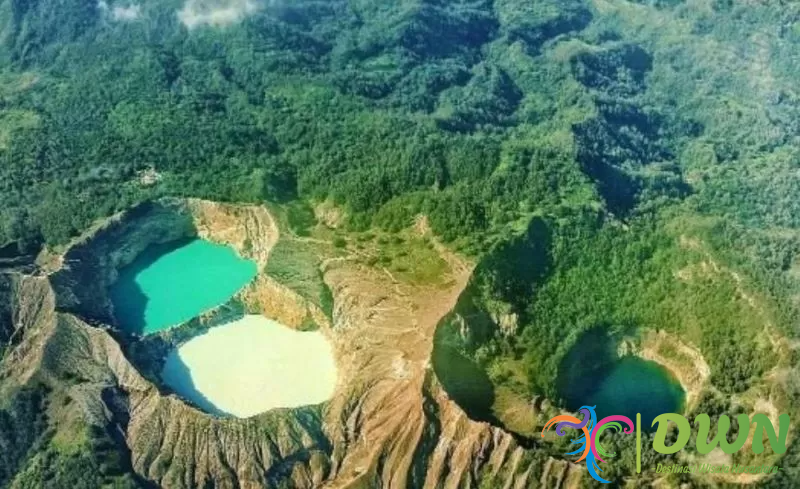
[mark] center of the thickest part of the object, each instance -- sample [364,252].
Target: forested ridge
[584,153]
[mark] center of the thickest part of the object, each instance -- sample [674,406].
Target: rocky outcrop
[684,361]
[28,307]
[250,230]
[7,302]
[268,297]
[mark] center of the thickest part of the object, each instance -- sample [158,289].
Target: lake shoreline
[250,366]
[169,284]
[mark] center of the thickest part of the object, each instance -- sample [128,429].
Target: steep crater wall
[7,323]
[90,266]
[491,310]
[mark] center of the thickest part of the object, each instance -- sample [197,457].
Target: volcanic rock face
[389,423]
[7,294]
[26,317]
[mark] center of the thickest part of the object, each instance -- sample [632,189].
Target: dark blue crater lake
[628,386]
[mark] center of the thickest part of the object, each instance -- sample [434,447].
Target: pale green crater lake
[172,283]
[252,365]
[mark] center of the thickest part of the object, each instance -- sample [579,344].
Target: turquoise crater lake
[172,283]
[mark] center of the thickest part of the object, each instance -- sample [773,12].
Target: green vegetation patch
[295,264]
[408,257]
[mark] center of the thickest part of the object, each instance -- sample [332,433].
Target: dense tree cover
[38,451]
[101,464]
[570,149]
[21,424]
[309,99]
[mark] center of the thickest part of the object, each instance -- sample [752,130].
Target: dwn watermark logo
[592,451]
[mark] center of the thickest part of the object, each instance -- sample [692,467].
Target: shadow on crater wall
[178,376]
[128,299]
